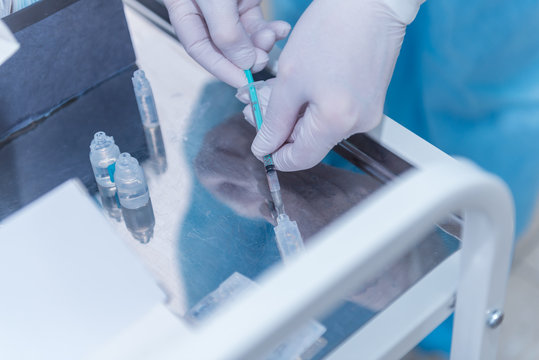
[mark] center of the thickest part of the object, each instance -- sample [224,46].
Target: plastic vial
[150,121]
[145,100]
[103,155]
[134,198]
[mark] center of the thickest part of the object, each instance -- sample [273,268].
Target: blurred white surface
[8,43]
[68,285]
[142,340]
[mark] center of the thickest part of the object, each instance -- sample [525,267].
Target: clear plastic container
[103,155]
[150,121]
[145,100]
[131,183]
[134,198]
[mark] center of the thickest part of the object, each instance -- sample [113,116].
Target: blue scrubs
[467,81]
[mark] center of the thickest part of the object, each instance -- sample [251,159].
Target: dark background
[70,78]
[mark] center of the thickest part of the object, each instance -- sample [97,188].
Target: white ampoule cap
[103,147]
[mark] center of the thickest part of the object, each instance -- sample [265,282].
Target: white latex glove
[332,79]
[226,36]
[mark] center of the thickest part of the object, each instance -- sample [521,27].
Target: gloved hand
[332,79]
[242,186]
[226,36]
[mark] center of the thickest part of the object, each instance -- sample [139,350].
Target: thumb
[280,118]
[313,137]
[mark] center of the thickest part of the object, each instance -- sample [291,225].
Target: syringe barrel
[103,154]
[273,179]
[145,99]
[130,182]
[275,189]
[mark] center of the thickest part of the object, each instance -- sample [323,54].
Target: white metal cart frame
[389,223]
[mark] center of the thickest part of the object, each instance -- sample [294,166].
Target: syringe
[287,234]
[271,174]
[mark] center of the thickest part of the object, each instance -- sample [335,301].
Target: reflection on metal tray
[210,201]
[217,221]
[209,193]
[377,161]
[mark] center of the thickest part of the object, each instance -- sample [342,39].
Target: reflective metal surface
[211,214]
[211,200]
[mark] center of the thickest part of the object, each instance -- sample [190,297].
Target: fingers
[263,33]
[252,19]
[263,90]
[313,138]
[261,59]
[280,118]
[223,39]
[280,28]
[326,121]
[228,33]
[307,140]
[264,39]
[191,29]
